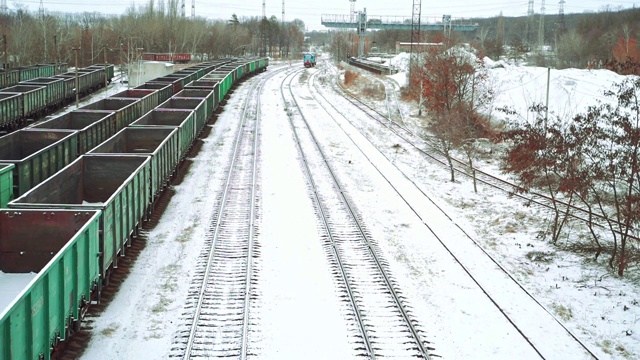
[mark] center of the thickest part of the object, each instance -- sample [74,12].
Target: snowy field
[573,292]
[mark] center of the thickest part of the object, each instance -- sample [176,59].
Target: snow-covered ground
[12,285]
[571,91]
[600,309]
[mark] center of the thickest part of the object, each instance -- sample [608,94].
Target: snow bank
[518,87]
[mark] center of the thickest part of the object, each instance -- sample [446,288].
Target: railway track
[217,312]
[513,320]
[379,314]
[426,146]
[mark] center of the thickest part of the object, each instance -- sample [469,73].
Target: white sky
[310,11]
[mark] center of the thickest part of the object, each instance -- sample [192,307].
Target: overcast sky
[311,11]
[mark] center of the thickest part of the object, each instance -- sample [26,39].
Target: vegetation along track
[325,104]
[216,317]
[432,152]
[381,315]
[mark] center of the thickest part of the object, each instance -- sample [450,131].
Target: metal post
[546,115]
[121,70]
[77,94]
[55,49]
[6,63]
[105,66]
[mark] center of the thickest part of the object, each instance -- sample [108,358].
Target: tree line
[600,39]
[157,26]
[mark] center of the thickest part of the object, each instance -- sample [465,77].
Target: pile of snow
[400,62]
[571,91]
[518,87]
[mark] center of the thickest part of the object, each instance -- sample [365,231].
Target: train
[179,58]
[70,227]
[34,97]
[309,59]
[12,76]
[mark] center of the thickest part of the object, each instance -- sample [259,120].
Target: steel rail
[316,198]
[485,252]
[217,230]
[346,202]
[515,189]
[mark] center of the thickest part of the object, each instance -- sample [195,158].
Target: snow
[446,245]
[11,285]
[517,87]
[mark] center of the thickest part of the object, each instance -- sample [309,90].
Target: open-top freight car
[108,68]
[118,186]
[163,91]
[147,99]
[10,77]
[208,95]
[40,95]
[92,127]
[37,154]
[34,99]
[198,105]
[61,247]
[56,92]
[183,120]
[6,184]
[125,109]
[181,58]
[161,145]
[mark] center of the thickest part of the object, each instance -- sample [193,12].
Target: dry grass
[374,91]
[350,77]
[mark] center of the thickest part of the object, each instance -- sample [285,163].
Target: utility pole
[282,12]
[353,10]
[77,94]
[56,57]
[415,34]
[44,28]
[263,35]
[362,31]
[182,8]
[106,81]
[6,64]
[193,9]
[563,25]
[529,28]
[546,113]
[541,28]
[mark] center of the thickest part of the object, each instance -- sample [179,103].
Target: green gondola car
[92,127]
[183,120]
[162,145]
[198,105]
[118,186]
[37,154]
[61,248]
[6,184]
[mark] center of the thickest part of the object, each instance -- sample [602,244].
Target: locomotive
[309,59]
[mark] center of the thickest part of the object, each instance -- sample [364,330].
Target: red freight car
[167,57]
[181,58]
[163,57]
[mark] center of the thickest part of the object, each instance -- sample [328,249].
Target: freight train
[37,96]
[69,229]
[12,76]
[179,58]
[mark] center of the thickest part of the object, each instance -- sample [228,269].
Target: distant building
[420,47]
